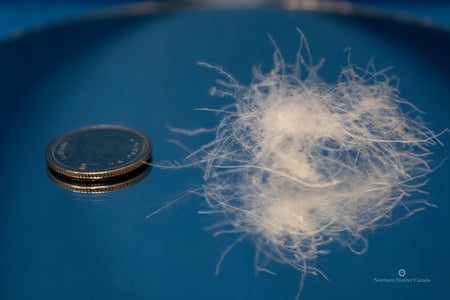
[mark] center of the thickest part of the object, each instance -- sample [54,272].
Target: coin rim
[56,166]
[76,187]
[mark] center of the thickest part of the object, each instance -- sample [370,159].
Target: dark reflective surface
[141,72]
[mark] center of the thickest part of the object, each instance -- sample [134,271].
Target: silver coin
[98,153]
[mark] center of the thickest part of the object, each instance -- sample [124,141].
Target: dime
[98,155]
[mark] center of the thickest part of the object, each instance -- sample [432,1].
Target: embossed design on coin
[98,155]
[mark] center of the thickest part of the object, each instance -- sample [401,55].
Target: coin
[98,153]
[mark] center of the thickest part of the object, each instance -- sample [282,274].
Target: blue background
[141,72]
[18,15]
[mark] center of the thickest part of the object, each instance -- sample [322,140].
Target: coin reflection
[100,186]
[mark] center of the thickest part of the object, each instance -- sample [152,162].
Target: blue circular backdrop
[140,71]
